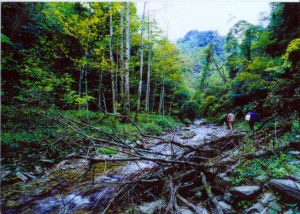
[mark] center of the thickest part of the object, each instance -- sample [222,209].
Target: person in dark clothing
[253,119]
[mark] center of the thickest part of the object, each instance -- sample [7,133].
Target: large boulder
[244,192]
[287,188]
[149,208]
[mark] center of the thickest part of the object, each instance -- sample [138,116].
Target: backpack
[247,118]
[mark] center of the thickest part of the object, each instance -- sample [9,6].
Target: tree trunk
[170,107]
[147,107]
[112,72]
[127,101]
[141,67]
[162,94]
[86,94]
[122,59]
[222,74]
[86,83]
[154,92]
[104,102]
[100,89]
[80,80]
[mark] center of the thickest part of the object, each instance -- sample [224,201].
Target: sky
[179,17]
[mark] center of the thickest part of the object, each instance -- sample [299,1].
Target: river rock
[149,208]
[222,182]
[227,208]
[255,208]
[261,178]
[228,197]
[267,198]
[288,188]
[244,192]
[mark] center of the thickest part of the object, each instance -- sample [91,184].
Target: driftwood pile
[176,176]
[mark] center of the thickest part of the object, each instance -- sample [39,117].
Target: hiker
[252,118]
[230,120]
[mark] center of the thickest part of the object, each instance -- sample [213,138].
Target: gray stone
[288,188]
[255,208]
[267,198]
[262,178]
[149,208]
[222,182]
[228,197]
[244,192]
[227,208]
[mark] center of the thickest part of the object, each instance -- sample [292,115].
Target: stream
[70,188]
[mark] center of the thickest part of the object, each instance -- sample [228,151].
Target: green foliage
[244,204]
[295,130]
[189,110]
[107,151]
[273,167]
[155,124]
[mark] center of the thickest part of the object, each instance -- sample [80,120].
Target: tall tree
[122,57]
[112,72]
[127,100]
[147,104]
[141,65]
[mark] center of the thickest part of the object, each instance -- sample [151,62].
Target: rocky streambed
[76,186]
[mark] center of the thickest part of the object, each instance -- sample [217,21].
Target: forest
[102,113]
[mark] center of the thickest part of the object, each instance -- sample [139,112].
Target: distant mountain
[194,40]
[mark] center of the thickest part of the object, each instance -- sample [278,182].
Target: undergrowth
[27,138]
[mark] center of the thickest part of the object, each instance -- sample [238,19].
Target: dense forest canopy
[96,78]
